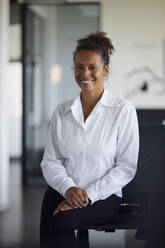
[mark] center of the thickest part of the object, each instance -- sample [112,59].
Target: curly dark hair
[96,42]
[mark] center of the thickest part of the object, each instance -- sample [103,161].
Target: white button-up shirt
[99,155]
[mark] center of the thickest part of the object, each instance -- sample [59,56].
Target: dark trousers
[58,231]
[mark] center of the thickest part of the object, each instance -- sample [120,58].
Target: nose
[85,72]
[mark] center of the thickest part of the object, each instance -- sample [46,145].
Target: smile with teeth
[86,81]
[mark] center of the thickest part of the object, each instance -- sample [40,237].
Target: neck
[90,99]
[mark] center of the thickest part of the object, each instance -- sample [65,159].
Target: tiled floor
[19,225]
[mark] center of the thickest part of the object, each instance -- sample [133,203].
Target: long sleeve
[125,166]
[52,164]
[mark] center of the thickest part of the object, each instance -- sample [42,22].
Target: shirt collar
[106,98]
[104,101]
[72,103]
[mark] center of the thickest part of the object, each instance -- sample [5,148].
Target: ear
[106,70]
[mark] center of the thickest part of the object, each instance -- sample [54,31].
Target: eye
[92,68]
[78,67]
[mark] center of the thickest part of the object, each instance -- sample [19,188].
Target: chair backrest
[150,163]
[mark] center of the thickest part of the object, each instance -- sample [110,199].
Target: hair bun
[97,41]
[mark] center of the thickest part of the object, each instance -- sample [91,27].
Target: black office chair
[139,195]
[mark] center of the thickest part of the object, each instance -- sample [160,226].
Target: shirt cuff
[66,185]
[92,194]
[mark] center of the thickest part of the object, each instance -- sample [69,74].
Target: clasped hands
[75,198]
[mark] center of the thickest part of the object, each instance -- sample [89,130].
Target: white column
[4,155]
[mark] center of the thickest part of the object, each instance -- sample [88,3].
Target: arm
[52,164]
[125,161]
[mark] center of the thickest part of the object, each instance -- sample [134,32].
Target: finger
[77,202]
[76,199]
[56,211]
[86,197]
[62,208]
[81,196]
[66,207]
[80,203]
[71,203]
[73,200]
[58,207]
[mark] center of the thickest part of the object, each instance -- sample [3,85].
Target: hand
[77,197]
[62,206]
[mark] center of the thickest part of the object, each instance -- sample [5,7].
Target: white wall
[15,91]
[4,166]
[15,109]
[137,31]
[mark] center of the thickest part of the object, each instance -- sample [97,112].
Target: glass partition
[49,38]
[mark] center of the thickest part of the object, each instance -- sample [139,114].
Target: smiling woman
[90,70]
[91,152]
[91,66]
[89,75]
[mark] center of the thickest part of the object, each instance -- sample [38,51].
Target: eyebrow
[78,63]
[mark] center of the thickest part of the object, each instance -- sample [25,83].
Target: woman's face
[89,71]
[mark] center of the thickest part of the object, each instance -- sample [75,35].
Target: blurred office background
[37,39]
